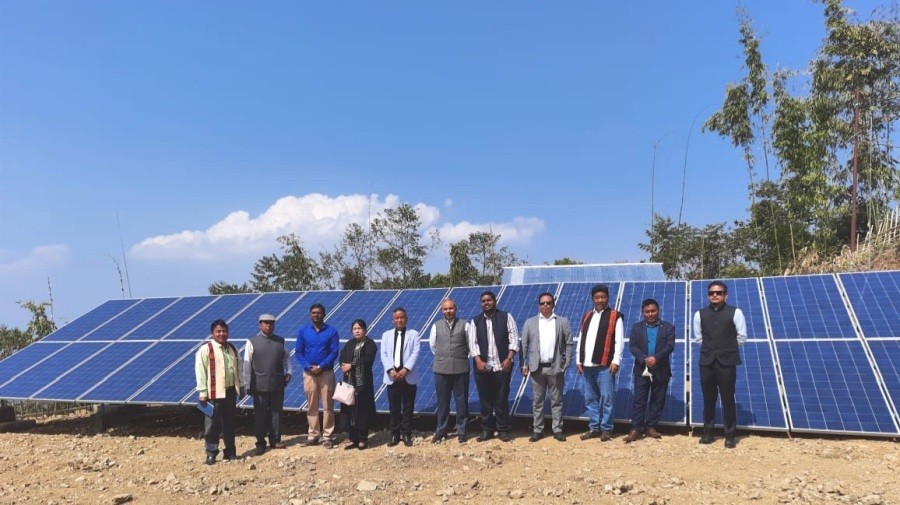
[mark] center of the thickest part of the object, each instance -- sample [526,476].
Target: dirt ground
[157,458]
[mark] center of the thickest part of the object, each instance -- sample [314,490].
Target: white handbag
[345,393]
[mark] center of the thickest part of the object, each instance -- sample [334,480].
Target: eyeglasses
[545,303]
[716,293]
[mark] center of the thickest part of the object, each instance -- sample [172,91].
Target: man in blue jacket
[652,342]
[316,350]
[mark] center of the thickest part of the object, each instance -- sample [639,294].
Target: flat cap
[267,317]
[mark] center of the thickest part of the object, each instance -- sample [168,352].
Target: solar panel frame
[27,358]
[886,353]
[77,380]
[806,307]
[24,385]
[875,300]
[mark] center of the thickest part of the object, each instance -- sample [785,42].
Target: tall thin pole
[124,258]
[853,198]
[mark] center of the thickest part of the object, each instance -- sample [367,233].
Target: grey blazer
[531,345]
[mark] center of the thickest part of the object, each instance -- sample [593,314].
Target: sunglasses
[545,303]
[716,293]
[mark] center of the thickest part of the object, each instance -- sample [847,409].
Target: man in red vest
[600,343]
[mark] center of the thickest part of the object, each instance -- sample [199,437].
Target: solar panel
[365,305]
[88,322]
[246,324]
[169,318]
[38,376]
[757,397]
[122,384]
[806,306]
[669,295]
[70,385]
[420,305]
[197,327]
[522,301]
[128,320]
[289,323]
[172,385]
[468,300]
[830,387]
[887,357]
[742,293]
[25,358]
[426,396]
[875,297]
[575,299]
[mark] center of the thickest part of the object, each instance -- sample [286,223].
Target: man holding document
[218,370]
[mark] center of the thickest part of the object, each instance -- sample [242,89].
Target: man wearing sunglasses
[720,329]
[546,354]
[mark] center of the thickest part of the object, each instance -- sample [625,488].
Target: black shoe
[534,437]
[328,444]
[229,457]
[438,439]
[395,439]
[504,437]
[605,436]
[351,445]
[309,441]
[485,436]
[590,434]
[210,459]
[461,438]
[559,437]
[407,440]
[707,437]
[730,443]
[260,449]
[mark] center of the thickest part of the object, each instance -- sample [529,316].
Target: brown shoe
[632,436]
[652,433]
[309,441]
[605,436]
[278,445]
[590,434]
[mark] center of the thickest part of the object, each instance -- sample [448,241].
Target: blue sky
[213,128]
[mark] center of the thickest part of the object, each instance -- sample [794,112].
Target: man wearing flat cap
[267,370]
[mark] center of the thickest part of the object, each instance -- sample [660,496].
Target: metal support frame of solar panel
[759,393]
[826,357]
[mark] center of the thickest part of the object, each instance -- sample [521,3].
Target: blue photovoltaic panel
[614,272]
[807,306]
[294,396]
[25,358]
[246,324]
[225,307]
[671,297]
[875,297]
[365,305]
[172,385]
[289,324]
[77,380]
[830,387]
[468,300]
[887,357]
[169,318]
[88,322]
[743,294]
[757,397]
[420,305]
[575,299]
[46,371]
[573,394]
[126,321]
[426,397]
[381,400]
[124,383]
[522,301]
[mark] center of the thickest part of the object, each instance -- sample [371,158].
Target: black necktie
[398,341]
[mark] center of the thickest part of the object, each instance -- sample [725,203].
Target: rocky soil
[157,458]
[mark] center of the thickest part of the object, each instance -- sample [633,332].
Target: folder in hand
[207,409]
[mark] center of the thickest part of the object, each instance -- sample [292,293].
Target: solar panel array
[821,354]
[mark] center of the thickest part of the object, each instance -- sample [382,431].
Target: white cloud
[39,258]
[520,231]
[318,219]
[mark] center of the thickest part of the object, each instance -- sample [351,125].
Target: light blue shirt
[652,334]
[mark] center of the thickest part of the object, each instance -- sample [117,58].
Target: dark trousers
[359,416]
[267,416]
[402,402]
[493,392]
[221,423]
[644,416]
[458,385]
[717,379]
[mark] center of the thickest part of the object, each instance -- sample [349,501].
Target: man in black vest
[267,369]
[493,341]
[449,343]
[719,329]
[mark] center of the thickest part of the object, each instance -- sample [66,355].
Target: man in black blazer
[652,342]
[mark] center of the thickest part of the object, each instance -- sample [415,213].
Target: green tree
[566,261]
[41,324]
[401,248]
[489,258]
[462,272]
[11,340]
[225,288]
[294,270]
